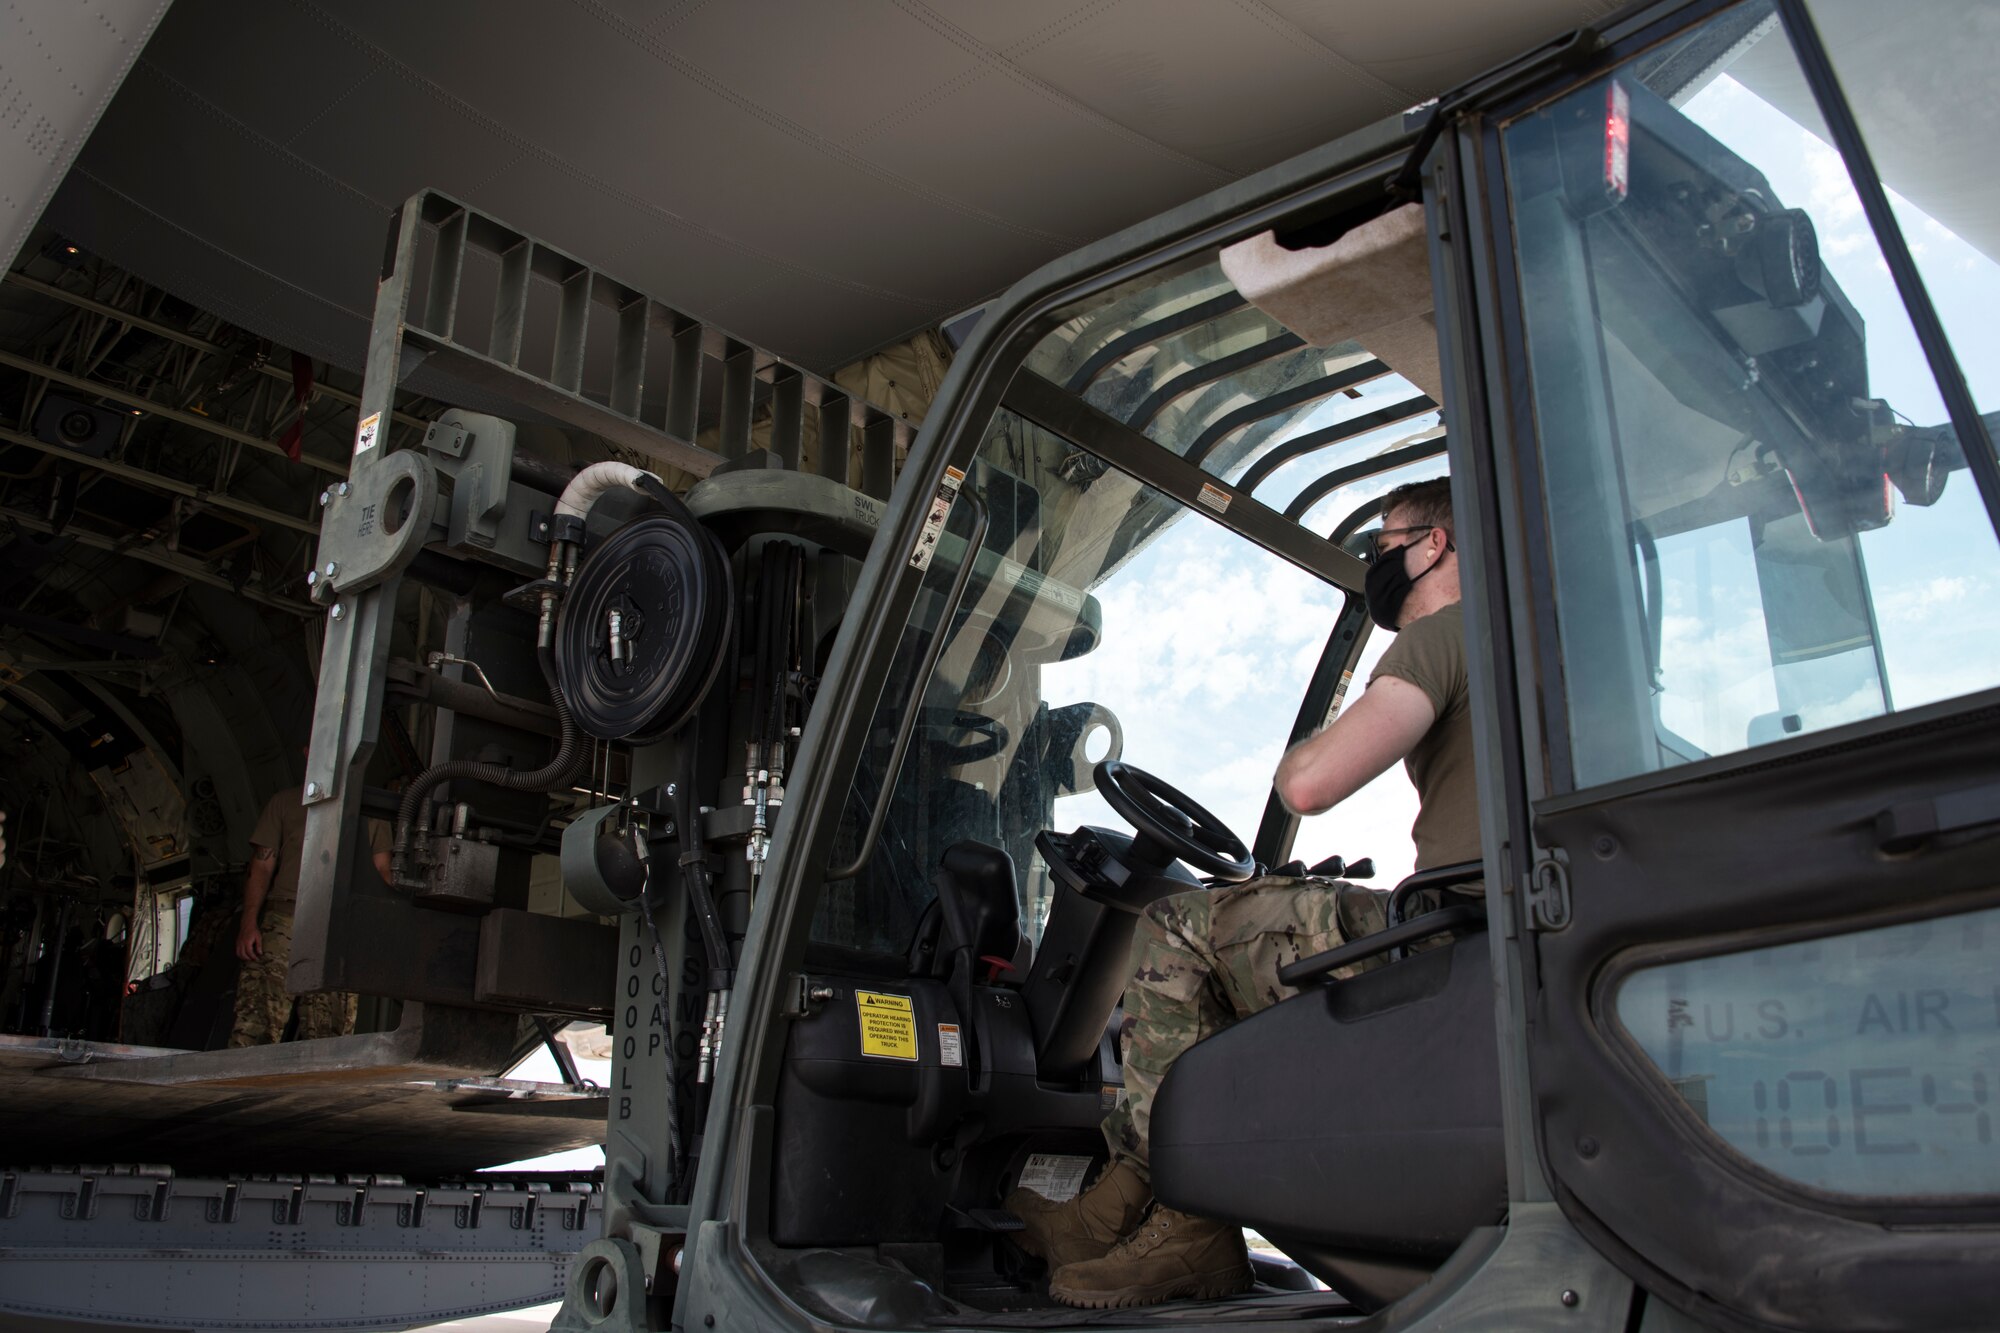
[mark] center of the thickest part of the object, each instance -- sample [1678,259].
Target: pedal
[984,1219]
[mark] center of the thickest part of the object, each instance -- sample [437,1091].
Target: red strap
[293,440]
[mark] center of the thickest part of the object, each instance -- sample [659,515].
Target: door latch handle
[1548,891]
[1908,826]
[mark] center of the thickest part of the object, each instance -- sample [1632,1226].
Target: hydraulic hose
[586,486]
[579,495]
[549,777]
[676,1151]
[694,871]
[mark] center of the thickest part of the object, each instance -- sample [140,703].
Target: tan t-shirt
[282,826]
[1430,654]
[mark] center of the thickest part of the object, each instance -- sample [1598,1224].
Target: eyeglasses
[1375,548]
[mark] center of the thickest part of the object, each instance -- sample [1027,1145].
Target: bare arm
[1382,726]
[256,884]
[382,864]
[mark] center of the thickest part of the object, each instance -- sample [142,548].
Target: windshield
[1193,624]
[1102,619]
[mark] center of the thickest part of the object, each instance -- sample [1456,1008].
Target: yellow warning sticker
[888,1025]
[367,433]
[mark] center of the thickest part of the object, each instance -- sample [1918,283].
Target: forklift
[860,748]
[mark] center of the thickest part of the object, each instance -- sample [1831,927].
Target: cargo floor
[378,1103]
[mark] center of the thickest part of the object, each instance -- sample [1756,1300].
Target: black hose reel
[643,630]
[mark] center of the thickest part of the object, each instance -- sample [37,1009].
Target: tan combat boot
[1085,1227]
[1171,1256]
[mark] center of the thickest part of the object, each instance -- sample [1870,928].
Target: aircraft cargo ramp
[325,1184]
[370,1103]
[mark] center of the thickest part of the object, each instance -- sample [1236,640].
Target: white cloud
[1916,605]
[1207,649]
[1830,199]
[1208,646]
[1940,634]
[1803,168]
[1830,194]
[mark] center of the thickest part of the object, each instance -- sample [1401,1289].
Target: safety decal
[1339,696]
[941,503]
[1053,1175]
[1214,497]
[951,1049]
[364,438]
[888,1025]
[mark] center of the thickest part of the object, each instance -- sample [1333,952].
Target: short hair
[1429,502]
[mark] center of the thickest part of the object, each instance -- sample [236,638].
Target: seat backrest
[1361,1116]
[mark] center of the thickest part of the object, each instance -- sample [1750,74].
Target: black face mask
[1388,586]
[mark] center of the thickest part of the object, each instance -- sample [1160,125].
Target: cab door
[1741,573]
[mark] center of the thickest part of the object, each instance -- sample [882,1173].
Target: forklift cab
[1708,445]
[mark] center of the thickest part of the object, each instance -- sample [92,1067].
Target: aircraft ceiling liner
[817,178]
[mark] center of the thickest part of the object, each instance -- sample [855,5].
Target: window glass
[1402,455]
[1865,1064]
[1101,617]
[1181,357]
[1209,643]
[1134,314]
[1761,524]
[1161,375]
[1905,71]
[933,801]
[1375,822]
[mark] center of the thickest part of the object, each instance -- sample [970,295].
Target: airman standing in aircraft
[264,939]
[1203,960]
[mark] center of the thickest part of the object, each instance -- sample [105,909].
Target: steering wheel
[1171,824]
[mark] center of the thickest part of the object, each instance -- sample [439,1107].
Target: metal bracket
[802,998]
[1548,892]
[376,522]
[607,1291]
[447,437]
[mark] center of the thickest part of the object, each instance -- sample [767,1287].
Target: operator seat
[1357,1124]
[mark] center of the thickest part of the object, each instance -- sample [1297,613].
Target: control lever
[1339,867]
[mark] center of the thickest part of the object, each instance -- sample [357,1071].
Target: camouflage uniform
[263,1004]
[1201,961]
